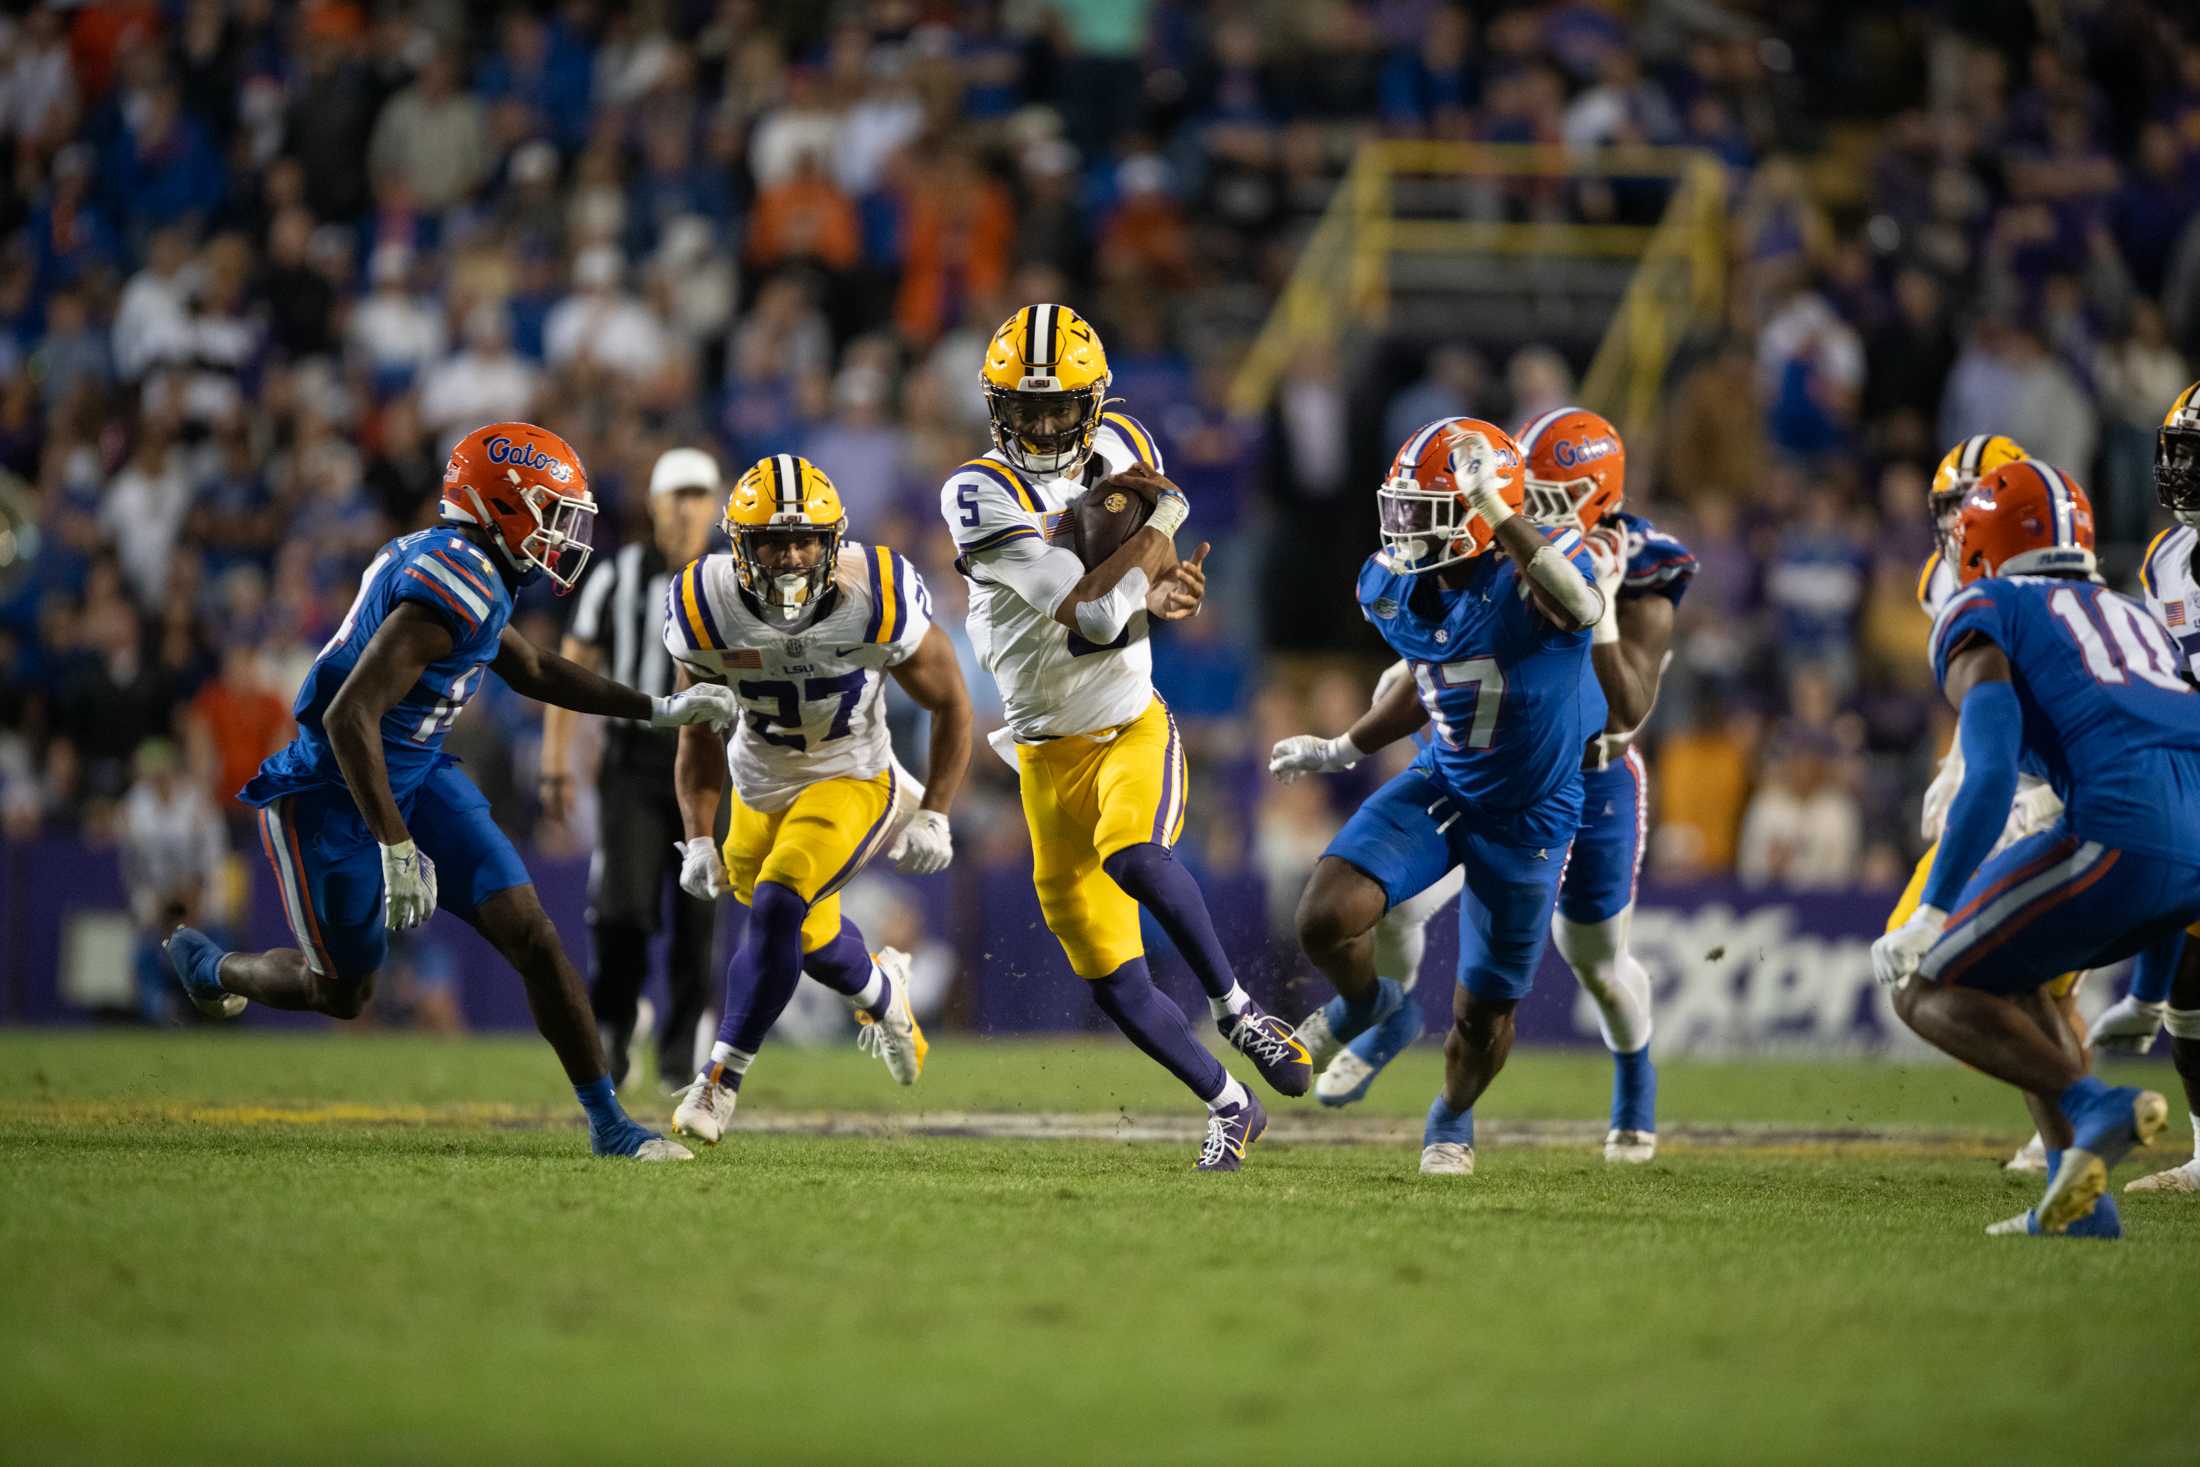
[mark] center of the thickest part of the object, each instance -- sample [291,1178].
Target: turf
[223,1247]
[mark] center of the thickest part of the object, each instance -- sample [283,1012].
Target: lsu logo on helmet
[1046,382]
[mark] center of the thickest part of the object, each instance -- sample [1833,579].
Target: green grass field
[223,1247]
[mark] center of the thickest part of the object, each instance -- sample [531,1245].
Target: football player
[1500,646]
[1576,476]
[2048,670]
[805,624]
[1097,754]
[362,813]
[2172,585]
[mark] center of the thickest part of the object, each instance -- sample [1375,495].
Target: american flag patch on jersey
[2174,614]
[747,657]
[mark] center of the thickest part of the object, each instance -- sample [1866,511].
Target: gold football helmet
[2177,458]
[1046,380]
[1961,468]
[779,497]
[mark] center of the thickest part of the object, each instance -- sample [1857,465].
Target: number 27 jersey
[2109,720]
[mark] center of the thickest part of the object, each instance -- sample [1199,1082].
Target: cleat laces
[1263,1045]
[1217,1144]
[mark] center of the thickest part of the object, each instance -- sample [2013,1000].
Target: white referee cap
[684,468]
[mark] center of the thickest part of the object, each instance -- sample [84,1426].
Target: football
[1109,513]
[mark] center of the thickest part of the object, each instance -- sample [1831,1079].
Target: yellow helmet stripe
[1141,441]
[1972,454]
[2183,402]
[1925,576]
[2146,561]
[701,631]
[1039,327]
[1007,478]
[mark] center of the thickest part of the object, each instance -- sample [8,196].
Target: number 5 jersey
[811,693]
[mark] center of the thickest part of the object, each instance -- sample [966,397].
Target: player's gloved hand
[925,844]
[1932,817]
[711,703]
[1895,957]
[2126,1027]
[1482,480]
[408,887]
[2033,810]
[702,868]
[1310,754]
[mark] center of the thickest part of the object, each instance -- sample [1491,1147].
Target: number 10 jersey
[812,695]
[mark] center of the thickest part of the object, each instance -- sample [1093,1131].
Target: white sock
[1231,1095]
[873,996]
[1236,1001]
[733,1061]
[2196,1136]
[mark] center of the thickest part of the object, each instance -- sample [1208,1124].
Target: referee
[620,620]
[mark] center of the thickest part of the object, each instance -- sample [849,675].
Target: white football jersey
[812,699]
[1052,680]
[2173,592]
[1935,584]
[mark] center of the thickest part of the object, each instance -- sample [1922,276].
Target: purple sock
[1150,873]
[762,976]
[843,965]
[1153,1022]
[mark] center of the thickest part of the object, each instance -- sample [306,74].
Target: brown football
[1106,515]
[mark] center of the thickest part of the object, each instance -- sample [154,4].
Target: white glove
[2126,1027]
[1895,957]
[711,703]
[925,845]
[1482,481]
[2034,809]
[1608,558]
[1310,754]
[1932,818]
[702,869]
[408,887]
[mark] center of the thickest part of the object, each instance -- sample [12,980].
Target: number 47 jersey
[812,697]
[2109,720]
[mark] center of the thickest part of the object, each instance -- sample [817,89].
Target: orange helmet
[1423,514]
[1576,469]
[2024,518]
[526,487]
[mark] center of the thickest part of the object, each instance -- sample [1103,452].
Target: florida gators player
[1575,477]
[1098,758]
[1500,651]
[805,626]
[2050,672]
[364,816]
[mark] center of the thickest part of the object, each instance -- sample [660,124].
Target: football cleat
[896,1038]
[2184,1179]
[1447,1159]
[197,960]
[2126,1027]
[1347,1077]
[705,1109]
[2108,1125]
[1231,1132]
[1631,1147]
[1272,1046]
[657,1148]
[2030,1157]
[1320,1040]
[628,1138]
[2101,1222]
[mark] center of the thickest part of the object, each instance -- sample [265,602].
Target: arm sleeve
[1104,620]
[1990,735]
[1040,573]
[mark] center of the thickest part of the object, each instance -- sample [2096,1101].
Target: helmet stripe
[1536,428]
[1042,335]
[2058,499]
[1971,454]
[1418,443]
[790,484]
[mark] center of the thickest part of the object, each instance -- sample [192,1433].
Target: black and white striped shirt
[621,613]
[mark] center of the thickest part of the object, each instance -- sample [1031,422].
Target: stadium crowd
[263,263]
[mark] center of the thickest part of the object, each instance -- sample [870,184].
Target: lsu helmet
[1963,466]
[785,495]
[2177,458]
[2024,518]
[1576,468]
[526,487]
[1046,380]
[1423,514]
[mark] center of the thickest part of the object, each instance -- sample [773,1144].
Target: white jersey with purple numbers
[813,703]
[2173,591]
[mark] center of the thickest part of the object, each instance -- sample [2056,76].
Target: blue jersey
[2109,720]
[1657,564]
[454,579]
[1511,698]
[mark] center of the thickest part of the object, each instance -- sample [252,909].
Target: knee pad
[2182,1023]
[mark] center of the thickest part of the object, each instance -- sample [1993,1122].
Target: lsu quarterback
[1499,646]
[2052,672]
[364,817]
[1575,469]
[1099,762]
[804,626]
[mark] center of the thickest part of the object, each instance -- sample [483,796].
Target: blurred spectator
[803,219]
[394,334]
[482,382]
[600,326]
[173,847]
[236,720]
[1803,830]
[432,137]
[145,507]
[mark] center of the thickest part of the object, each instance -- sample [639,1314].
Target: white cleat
[896,1039]
[1447,1159]
[2030,1157]
[657,1148]
[1630,1147]
[1343,1079]
[705,1109]
[2185,1179]
[1321,1044]
[2020,1226]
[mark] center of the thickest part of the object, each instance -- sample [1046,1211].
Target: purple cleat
[1272,1046]
[1231,1132]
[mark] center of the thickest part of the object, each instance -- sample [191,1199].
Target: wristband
[1169,514]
